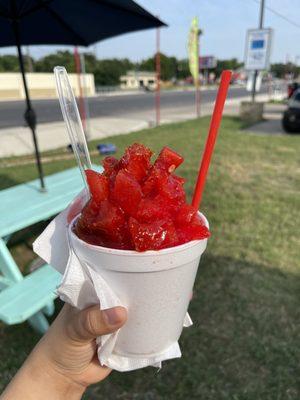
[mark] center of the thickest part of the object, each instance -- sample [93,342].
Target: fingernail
[112,316]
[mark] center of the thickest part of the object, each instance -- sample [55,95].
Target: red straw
[212,136]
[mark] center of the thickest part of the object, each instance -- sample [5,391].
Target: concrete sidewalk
[272,124]
[18,141]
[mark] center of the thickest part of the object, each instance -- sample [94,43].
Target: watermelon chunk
[151,209]
[127,192]
[88,215]
[110,165]
[154,236]
[156,178]
[109,222]
[169,159]
[185,215]
[136,161]
[98,185]
[173,190]
[192,232]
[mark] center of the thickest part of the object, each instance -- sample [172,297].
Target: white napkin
[81,287]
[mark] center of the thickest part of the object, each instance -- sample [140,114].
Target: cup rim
[134,253]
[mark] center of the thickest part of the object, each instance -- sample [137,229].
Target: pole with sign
[261,22]
[258,49]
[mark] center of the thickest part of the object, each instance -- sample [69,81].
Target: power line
[278,14]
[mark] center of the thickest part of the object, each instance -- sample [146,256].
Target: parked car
[291,116]
[292,87]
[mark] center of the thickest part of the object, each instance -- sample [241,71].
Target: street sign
[207,62]
[258,49]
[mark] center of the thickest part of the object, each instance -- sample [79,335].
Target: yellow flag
[193,48]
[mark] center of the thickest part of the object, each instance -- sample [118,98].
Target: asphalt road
[11,112]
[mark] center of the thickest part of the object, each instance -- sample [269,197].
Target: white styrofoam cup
[155,287]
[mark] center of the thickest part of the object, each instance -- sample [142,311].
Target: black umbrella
[66,22]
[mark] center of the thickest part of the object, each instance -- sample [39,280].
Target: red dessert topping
[98,185]
[136,205]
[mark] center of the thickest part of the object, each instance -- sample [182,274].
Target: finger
[92,322]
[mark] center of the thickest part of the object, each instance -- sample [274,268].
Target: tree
[168,66]
[9,63]
[90,62]
[147,65]
[47,63]
[183,69]
[108,72]
[279,70]
[231,63]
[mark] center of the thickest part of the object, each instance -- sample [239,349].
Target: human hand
[70,344]
[64,363]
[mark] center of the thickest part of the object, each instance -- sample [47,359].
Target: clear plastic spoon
[73,122]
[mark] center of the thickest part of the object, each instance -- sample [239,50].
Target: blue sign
[257,44]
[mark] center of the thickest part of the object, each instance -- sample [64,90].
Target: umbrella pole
[29,115]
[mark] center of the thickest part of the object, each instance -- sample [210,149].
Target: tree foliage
[108,71]
[168,66]
[183,69]
[280,70]
[9,63]
[47,63]
[232,64]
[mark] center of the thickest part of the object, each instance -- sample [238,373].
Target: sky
[224,23]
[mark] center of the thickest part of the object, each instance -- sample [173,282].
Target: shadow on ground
[244,344]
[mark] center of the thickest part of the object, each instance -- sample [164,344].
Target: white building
[41,85]
[138,79]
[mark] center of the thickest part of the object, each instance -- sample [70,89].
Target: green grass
[273,101]
[245,342]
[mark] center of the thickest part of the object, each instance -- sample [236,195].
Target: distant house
[138,79]
[41,85]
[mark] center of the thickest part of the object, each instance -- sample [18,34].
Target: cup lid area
[134,261]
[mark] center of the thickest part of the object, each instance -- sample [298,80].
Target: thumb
[92,322]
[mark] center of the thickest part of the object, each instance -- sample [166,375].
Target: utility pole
[261,23]
[157,63]
[197,91]
[85,95]
[29,60]
[80,94]
[95,47]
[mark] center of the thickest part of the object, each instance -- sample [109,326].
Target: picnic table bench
[31,297]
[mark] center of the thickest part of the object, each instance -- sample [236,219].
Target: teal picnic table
[31,297]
